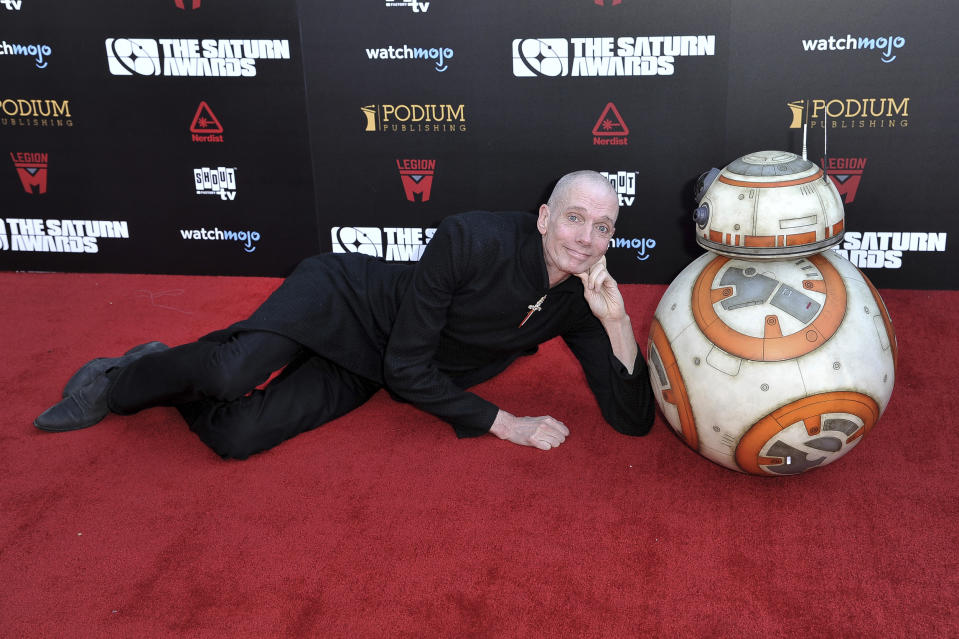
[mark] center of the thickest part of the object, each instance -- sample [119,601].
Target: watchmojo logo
[219,181]
[392,243]
[39,52]
[851,113]
[605,57]
[32,169]
[205,126]
[885,44]
[188,57]
[415,118]
[846,174]
[247,239]
[417,177]
[437,55]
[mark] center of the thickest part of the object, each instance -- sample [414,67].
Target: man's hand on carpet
[540,432]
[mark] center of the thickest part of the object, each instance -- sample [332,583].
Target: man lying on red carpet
[489,288]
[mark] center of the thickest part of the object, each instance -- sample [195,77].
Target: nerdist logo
[605,57]
[188,57]
[39,52]
[32,169]
[884,44]
[642,245]
[415,118]
[625,184]
[417,177]
[610,129]
[846,174]
[220,181]
[885,249]
[205,126]
[247,239]
[414,5]
[58,236]
[851,113]
[391,243]
[437,55]
[12,5]
[35,112]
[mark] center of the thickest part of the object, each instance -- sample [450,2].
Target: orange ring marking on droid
[715,236]
[771,348]
[678,397]
[772,327]
[817,286]
[813,424]
[797,239]
[718,294]
[761,241]
[751,444]
[770,185]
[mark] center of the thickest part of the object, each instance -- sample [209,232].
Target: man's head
[576,223]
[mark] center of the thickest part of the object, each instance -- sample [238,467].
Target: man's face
[577,229]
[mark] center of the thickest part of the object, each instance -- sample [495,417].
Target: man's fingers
[557,425]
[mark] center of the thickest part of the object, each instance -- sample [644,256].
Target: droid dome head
[768,205]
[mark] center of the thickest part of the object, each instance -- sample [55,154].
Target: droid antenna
[805,124]
[825,153]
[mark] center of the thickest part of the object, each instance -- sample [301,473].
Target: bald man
[489,288]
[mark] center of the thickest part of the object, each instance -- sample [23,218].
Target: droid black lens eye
[701,215]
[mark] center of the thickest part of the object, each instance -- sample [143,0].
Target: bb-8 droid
[771,354]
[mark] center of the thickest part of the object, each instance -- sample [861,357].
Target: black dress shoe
[84,408]
[101,365]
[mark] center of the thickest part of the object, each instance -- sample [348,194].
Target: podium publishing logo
[35,112]
[32,169]
[845,173]
[220,181]
[395,244]
[415,118]
[181,4]
[610,129]
[850,113]
[417,177]
[205,126]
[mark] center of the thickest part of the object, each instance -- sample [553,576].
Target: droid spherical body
[771,365]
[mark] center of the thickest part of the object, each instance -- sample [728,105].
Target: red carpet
[383,524]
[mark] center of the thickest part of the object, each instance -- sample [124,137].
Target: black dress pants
[214,387]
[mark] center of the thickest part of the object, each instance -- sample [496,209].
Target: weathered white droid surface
[772,366]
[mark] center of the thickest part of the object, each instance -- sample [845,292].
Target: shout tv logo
[32,169]
[219,181]
[417,177]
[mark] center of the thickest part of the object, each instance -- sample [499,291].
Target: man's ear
[542,219]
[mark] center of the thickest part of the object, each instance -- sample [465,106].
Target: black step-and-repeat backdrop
[236,137]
